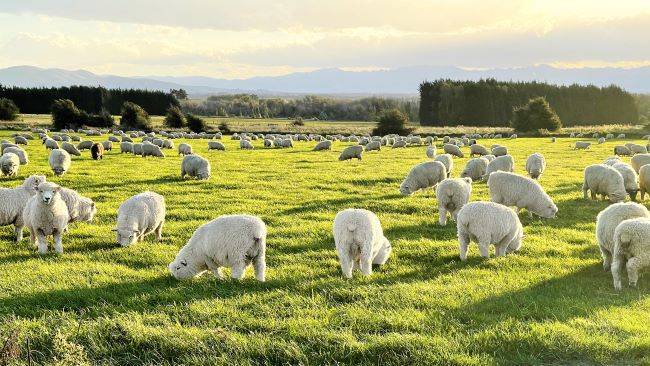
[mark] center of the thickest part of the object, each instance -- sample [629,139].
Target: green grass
[551,303]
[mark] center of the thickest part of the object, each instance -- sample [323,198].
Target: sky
[246,38]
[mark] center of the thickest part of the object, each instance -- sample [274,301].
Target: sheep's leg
[633,266]
[642,193]
[41,242]
[454,214]
[500,250]
[18,230]
[443,216]
[58,242]
[259,266]
[464,245]
[238,270]
[365,262]
[584,191]
[607,258]
[32,237]
[346,262]
[159,231]
[484,248]
[617,266]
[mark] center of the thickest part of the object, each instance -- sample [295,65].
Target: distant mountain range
[400,81]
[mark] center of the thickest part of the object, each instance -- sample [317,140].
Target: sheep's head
[31,184]
[87,211]
[405,189]
[127,236]
[548,210]
[182,269]
[47,192]
[632,193]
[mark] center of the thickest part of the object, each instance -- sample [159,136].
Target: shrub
[103,119]
[535,115]
[194,123]
[65,114]
[224,127]
[8,110]
[134,117]
[174,118]
[392,121]
[298,122]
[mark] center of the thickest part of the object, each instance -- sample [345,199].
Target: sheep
[359,241]
[612,160]
[423,175]
[510,189]
[639,160]
[245,145]
[398,144]
[285,143]
[351,152]
[113,139]
[373,145]
[85,145]
[621,136]
[268,143]
[606,223]
[644,180]
[622,150]
[80,208]
[637,149]
[477,149]
[70,149]
[553,139]
[581,145]
[60,161]
[453,150]
[452,195]
[184,149]
[9,164]
[631,248]
[20,140]
[475,168]
[139,216]
[168,144]
[108,145]
[231,241]
[137,149]
[535,165]
[5,144]
[605,180]
[629,179]
[505,163]
[488,223]
[414,140]
[431,151]
[14,201]
[50,144]
[609,136]
[46,214]
[195,166]
[601,140]
[158,142]
[489,157]
[97,151]
[22,154]
[323,145]
[126,147]
[499,151]
[152,150]
[447,161]
[216,145]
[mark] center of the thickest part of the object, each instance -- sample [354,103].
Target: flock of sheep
[237,241]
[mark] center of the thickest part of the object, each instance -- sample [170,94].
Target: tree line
[492,103]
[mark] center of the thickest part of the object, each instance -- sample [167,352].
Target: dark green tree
[8,110]
[65,114]
[174,118]
[134,117]
[535,115]
[195,123]
[392,121]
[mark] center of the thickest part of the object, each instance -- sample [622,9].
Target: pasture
[550,303]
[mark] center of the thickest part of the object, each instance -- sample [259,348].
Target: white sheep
[22,154]
[631,249]
[152,150]
[499,150]
[139,216]
[70,149]
[137,148]
[85,145]
[601,140]
[431,151]
[351,152]
[359,241]
[216,145]
[535,165]
[605,180]
[245,145]
[195,166]
[639,160]
[581,145]
[622,150]
[452,195]
[60,161]
[423,175]
[323,145]
[644,180]
[50,144]
[488,223]
[230,241]
[126,147]
[168,144]
[510,189]
[9,164]
[398,144]
[612,160]
[504,163]
[80,208]
[373,146]
[453,150]
[184,149]
[108,145]
[477,149]
[268,143]
[14,201]
[46,214]
[637,149]
[475,168]
[607,221]
[629,179]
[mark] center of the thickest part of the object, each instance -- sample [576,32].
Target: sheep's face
[181,269]
[88,212]
[405,190]
[48,192]
[549,211]
[535,174]
[33,182]
[127,237]
[632,194]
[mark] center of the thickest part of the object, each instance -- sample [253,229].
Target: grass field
[100,303]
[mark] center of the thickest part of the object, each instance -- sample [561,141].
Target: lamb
[50,144]
[46,214]
[622,150]
[85,145]
[195,166]
[184,149]
[644,180]
[431,152]
[9,164]
[360,241]
[510,189]
[152,150]
[373,145]
[423,175]
[139,216]
[70,149]
[477,149]
[452,195]
[488,223]
[607,221]
[629,179]
[447,161]
[233,241]
[323,145]
[14,201]
[475,168]
[631,248]
[639,160]
[535,165]
[80,208]
[216,145]
[582,145]
[453,150]
[605,180]
[499,151]
[60,161]
[504,163]
[245,145]
[97,151]
[351,152]
[126,147]
[108,145]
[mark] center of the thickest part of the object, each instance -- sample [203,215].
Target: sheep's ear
[92,205]
[468,180]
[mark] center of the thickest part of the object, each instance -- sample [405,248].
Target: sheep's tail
[450,206]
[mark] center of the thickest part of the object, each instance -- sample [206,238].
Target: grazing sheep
[553,139]
[431,151]
[452,195]
[489,157]
[195,166]
[323,145]
[113,139]
[351,152]
[414,140]
[639,160]
[605,180]
[22,154]
[50,144]
[152,150]
[601,140]
[80,208]
[230,241]
[184,149]
[360,241]
[447,161]
[631,249]
[108,145]
[612,160]
[488,223]
[126,147]
[582,145]
[477,149]
[629,179]
[637,149]
[510,189]
[535,165]
[475,168]
[644,180]
[9,164]
[85,145]
[621,150]
[621,136]
[126,139]
[158,142]
[453,150]
[168,144]
[423,175]
[216,145]
[5,145]
[137,149]
[14,201]
[20,140]
[285,143]
[60,161]
[245,145]
[70,149]
[97,151]
[138,216]
[46,214]
[268,143]
[607,221]
[504,163]
[373,145]
[398,144]
[499,151]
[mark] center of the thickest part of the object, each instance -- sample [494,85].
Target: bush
[536,114]
[65,114]
[134,117]
[174,118]
[8,110]
[103,119]
[194,123]
[224,127]
[298,122]
[392,121]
